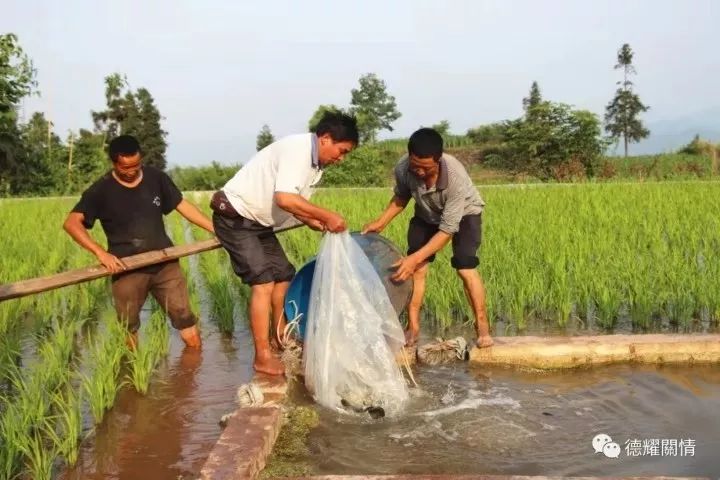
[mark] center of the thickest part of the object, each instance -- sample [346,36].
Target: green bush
[210,177]
[363,167]
[661,167]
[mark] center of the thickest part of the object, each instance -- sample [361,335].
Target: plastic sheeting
[353,334]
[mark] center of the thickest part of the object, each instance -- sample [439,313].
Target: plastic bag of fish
[352,335]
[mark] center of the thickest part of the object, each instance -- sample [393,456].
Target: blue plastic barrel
[382,254]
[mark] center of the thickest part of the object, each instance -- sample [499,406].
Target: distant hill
[672,134]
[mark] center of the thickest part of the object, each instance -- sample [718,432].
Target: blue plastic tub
[382,254]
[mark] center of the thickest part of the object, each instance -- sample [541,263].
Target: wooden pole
[133,262]
[43,284]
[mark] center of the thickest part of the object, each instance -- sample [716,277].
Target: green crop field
[608,257]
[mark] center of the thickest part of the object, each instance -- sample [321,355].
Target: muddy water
[460,420]
[169,433]
[466,420]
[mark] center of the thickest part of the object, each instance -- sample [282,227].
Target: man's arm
[74,227]
[407,266]
[434,245]
[301,208]
[401,197]
[395,207]
[194,215]
[449,225]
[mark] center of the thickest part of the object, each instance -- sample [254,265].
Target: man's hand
[405,268]
[375,226]
[316,225]
[111,262]
[335,223]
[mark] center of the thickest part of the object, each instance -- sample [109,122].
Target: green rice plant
[159,334]
[51,251]
[29,403]
[9,353]
[145,357]
[141,362]
[13,432]
[65,428]
[39,453]
[605,256]
[220,289]
[101,385]
[579,251]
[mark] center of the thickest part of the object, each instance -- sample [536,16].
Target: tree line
[35,160]
[548,137]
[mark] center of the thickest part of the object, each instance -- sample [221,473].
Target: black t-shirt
[132,218]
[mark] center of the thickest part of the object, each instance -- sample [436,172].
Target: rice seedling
[39,453]
[29,403]
[598,255]
[65,427]
[105,355]
[145,357]
[219,287]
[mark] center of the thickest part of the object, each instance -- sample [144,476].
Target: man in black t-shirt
[130,201]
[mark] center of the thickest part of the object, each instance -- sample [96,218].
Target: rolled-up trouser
[167,285]
[465,243]
[255,252]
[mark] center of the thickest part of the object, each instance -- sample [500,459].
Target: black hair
[124,145]
[341,127]
[426,142]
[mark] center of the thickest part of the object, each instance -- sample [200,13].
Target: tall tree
[373,107]
[622,113]
[147,129]
[89,160]
[319,112]
[264,138]
[17,80]
[17,75]
[532,101]
[43,166]
[109,121]
[132,113]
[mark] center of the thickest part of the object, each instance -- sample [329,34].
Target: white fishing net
[352,334]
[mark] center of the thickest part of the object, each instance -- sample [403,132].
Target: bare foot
[191,336]
[484,342]
[270,365]
[411,336]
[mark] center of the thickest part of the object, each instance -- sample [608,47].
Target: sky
[219,70]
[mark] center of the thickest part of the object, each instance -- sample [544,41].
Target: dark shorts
[167,285]
[465,243]
[255,252]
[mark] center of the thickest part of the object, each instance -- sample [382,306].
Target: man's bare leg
[278,305]
[416,301]
[475,291]
[260,304]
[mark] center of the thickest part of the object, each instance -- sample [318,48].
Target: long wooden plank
[72,277]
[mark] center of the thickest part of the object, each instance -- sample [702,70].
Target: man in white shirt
[272,191]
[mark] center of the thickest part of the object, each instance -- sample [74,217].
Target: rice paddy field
[555,259]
